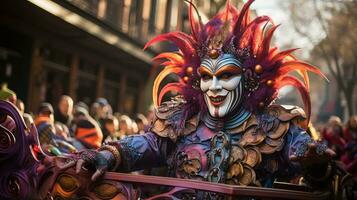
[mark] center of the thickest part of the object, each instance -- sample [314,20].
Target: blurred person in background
[101,110]
[111,128]
[124,126]
[94,110]
[349,158]
[117,115]
[82,105]
[78,105]
[142,123]
[333,134]
[28,120]
[87,130]
[7,95]
[44,115]
[62,131]
[134,128]
[150,114]
[21,106]
[350,132]
[62,139]
[63,112]
[44,122]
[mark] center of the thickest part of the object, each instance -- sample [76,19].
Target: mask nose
[215,86]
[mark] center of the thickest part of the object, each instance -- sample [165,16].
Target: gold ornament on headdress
[216,42]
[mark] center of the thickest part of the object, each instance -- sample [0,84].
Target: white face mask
[221,84]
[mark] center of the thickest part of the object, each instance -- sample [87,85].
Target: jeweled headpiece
[265,68]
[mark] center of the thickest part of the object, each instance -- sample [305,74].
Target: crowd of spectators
[72,127]
[342,138]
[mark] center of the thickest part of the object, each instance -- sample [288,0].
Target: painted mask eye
[226,76]
[205,73]
[206,77]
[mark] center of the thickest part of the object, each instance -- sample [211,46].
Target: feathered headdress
[265,69]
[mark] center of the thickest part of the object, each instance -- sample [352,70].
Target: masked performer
[224,127]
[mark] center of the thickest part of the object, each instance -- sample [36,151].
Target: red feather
[174,58]
[281,55]
[228,7]
[255,32]
[242,19]
[169,88]
[194,28]
[266,41]
[298,65]
[178,39]
[289,80]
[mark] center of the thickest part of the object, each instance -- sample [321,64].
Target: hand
[315,160]
[312,152]
[100,160]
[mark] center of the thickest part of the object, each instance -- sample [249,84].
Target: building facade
[87,48]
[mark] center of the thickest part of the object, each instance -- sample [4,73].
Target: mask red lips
[218,100]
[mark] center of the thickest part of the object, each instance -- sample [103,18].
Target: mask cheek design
[205,84]
[222,110]
[236,97]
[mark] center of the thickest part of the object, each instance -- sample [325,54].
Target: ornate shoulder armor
[288,113]
[170,120]
[267,131]
[275,124]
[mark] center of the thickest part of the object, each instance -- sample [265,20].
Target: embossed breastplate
[216,157]
[232,156]
[247,153]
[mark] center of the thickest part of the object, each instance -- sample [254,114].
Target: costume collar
[231,121]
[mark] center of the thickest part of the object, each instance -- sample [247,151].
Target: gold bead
[261,104]
[189,70]
[213,53]
[269,82]
[185,78]
[258,69]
